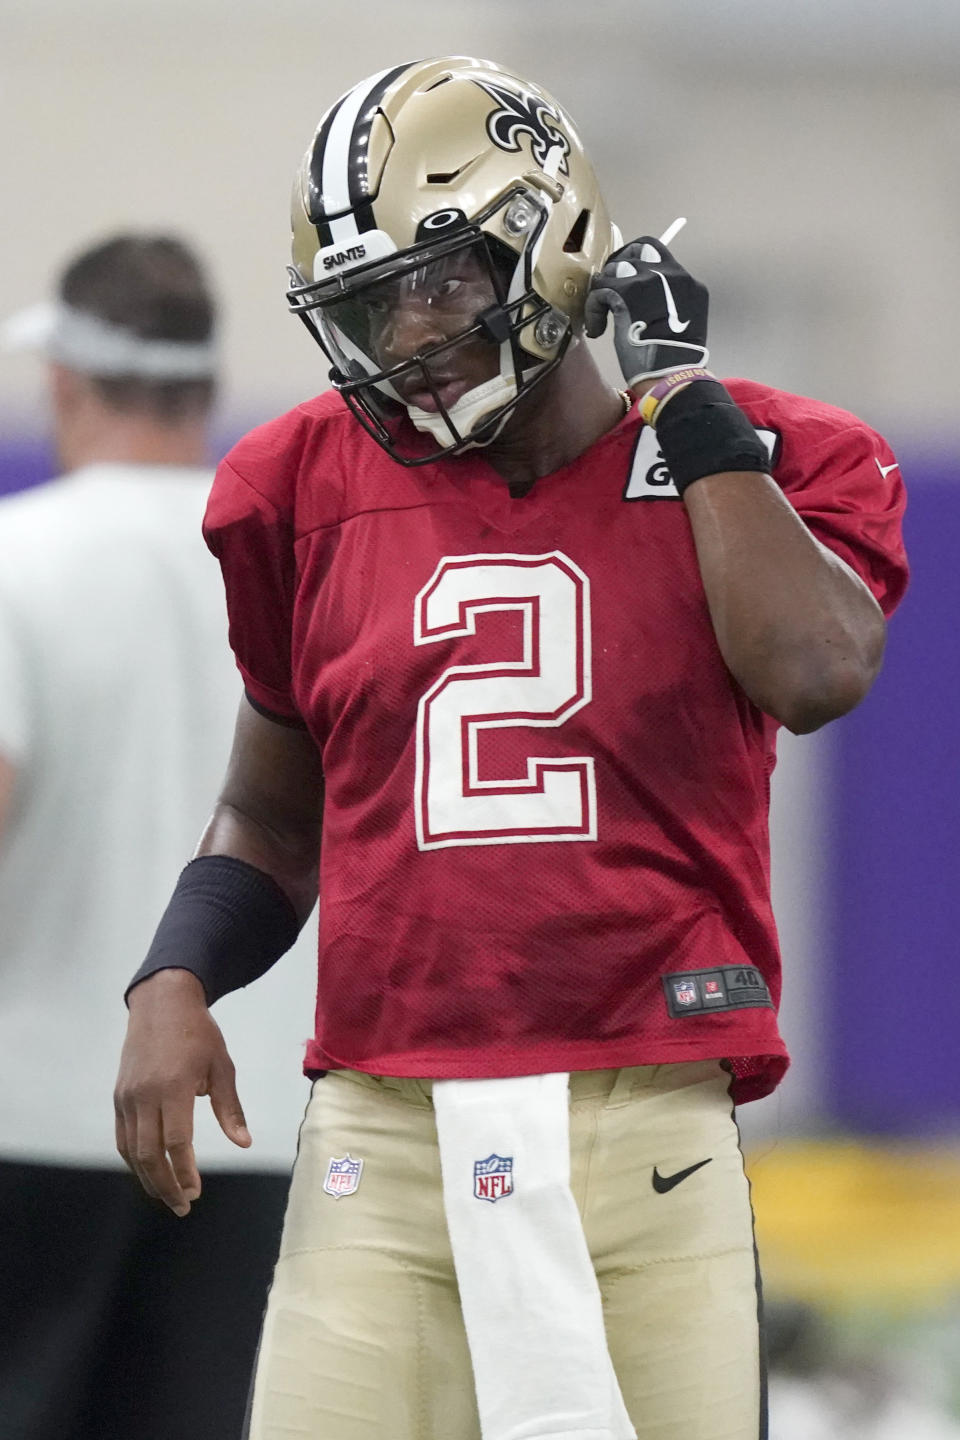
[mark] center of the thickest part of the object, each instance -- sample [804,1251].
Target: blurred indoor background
[814,146]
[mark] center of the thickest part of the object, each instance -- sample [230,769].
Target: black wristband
[227,922]
[701,431]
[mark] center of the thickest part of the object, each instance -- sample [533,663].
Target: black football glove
[659,311]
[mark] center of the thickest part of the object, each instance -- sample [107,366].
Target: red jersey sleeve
[850,493]
[845,482]
[252,537]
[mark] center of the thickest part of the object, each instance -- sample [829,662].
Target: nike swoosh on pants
[663,1183]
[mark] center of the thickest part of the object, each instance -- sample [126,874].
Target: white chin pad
[469,410]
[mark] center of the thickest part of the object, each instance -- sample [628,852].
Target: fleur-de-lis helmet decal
[522,113]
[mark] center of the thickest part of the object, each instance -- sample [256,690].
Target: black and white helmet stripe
[340,202]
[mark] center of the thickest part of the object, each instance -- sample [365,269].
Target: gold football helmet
[446,226]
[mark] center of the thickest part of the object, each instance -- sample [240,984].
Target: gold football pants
[363,1337]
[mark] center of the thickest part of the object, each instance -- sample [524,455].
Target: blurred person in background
[535,722]
[116,702]
[823,1389]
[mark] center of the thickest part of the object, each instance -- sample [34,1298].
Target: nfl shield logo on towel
[343,1176]
[493,1177]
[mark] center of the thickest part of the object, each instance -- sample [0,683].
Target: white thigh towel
[530,1299]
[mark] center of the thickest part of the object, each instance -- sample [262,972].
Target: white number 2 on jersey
[556,798]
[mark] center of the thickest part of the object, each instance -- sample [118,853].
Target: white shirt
[118,697]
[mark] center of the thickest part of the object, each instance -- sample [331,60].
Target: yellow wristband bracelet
[657,396]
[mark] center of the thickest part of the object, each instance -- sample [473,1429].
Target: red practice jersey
[545,839]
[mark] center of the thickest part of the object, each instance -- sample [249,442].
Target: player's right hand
[659,311]
[173,1052]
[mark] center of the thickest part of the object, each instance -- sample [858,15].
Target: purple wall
[894,1010]
[24,462]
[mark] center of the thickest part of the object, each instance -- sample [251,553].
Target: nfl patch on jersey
[343,1176]
[685,992]
[493,1177]
[649,477]
[729,987]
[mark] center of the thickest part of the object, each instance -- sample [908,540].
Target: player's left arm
[797,627]
[795,624]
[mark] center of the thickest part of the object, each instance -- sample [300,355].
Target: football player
[524,641]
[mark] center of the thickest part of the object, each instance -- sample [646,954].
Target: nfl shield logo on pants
[343,1176]
[493,1177]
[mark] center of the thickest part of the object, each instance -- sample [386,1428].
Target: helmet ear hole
[578,233]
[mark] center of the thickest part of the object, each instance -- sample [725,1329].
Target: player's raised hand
[173,1052]
[659,310]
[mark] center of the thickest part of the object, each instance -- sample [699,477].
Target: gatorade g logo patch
[733,987]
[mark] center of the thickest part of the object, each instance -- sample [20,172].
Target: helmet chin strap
[468,412]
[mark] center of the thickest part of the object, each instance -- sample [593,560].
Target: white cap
[97,347]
